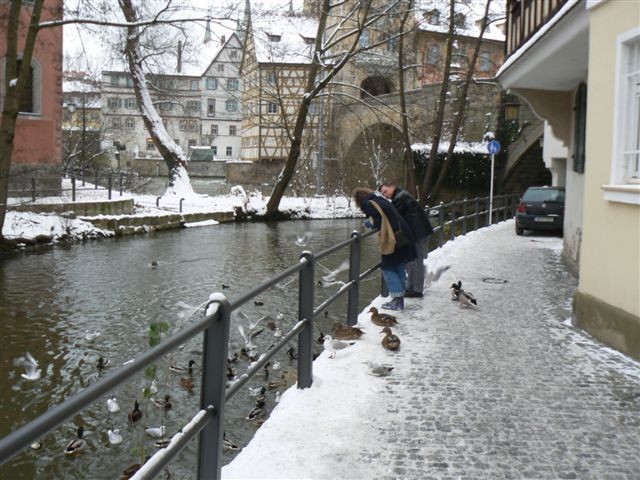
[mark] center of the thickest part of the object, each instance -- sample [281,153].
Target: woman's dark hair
[360,195]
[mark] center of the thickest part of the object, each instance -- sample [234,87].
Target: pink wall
[38,138]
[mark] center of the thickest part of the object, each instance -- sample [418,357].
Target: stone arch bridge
[371,129]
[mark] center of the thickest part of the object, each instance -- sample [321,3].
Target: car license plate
[543,219]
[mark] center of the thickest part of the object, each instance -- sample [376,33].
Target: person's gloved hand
[368,224]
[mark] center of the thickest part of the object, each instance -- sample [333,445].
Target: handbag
[386,236]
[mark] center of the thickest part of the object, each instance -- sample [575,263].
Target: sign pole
[493,147]
[491,191]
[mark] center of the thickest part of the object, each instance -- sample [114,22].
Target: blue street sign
[493,146]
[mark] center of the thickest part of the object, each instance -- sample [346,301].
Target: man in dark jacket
[418,221]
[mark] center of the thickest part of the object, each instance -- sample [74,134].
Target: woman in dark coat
[393,264]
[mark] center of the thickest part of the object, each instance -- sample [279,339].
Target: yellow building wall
[610,258]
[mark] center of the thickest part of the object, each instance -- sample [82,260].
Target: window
[214,150]
[211,107]
[432,17]
[130,102]
[229,151]
[459,20]
[114,102]
[433,54]
[130,123]
[115,80]
[233,53]
[116,123]
[232,84]
[232,130]
[309,40]
[194,85]
[212,83]
[484,61]
[165,106]
[232,105]
[274,38]
[27,104]
[150,144]
[272,107]
[625,168]
[314,108]
[187,125]
[129,81]
[271,78]
[214,130]
[192,142]
[193,105]
[220,67]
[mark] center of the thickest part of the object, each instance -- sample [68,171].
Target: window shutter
[580,127]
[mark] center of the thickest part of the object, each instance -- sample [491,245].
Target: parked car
[540,208]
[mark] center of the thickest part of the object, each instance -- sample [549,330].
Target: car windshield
[543,195]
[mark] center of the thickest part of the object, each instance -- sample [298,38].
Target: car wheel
[519,230]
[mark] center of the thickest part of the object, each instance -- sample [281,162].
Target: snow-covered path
[510,390]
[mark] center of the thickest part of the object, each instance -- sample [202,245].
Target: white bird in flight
[30,364]
[303,240]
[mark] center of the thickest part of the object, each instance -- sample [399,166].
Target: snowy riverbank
[30,227]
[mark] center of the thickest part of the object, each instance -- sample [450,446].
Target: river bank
[59,219]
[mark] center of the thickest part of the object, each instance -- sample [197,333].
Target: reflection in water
[50,297]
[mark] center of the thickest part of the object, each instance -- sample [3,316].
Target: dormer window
[432,17]
[309,40]
[274,38]
[459,20]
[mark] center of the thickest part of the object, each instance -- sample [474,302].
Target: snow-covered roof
[282,38]
[471,10]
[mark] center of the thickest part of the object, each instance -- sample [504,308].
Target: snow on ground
[30,225]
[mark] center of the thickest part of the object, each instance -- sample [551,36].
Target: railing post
[96,184]
[476,201]
[489,213]
[354,276]
[109,185]
[181,200]
[213,389]
[464,216]
[158,201]
[452,216]
[441,220]
[73,188]
[83,177]
[121,182]
[33,189]
[305,312]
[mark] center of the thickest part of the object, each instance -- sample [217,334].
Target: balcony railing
[525,18]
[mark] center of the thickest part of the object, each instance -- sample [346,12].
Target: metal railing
[110,181]
[461,216]
[208,422]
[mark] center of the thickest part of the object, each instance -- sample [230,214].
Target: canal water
[124,289]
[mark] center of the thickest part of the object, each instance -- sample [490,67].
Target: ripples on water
[51,296]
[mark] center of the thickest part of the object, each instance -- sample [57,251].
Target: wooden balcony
[525,18]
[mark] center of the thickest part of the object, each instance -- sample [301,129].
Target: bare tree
[16,79]
[333,49]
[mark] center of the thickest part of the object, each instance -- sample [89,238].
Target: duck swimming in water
[390,341]
[178,369]
[77,445]
[163,403]
[382,319]
[114,436]
[135,414]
